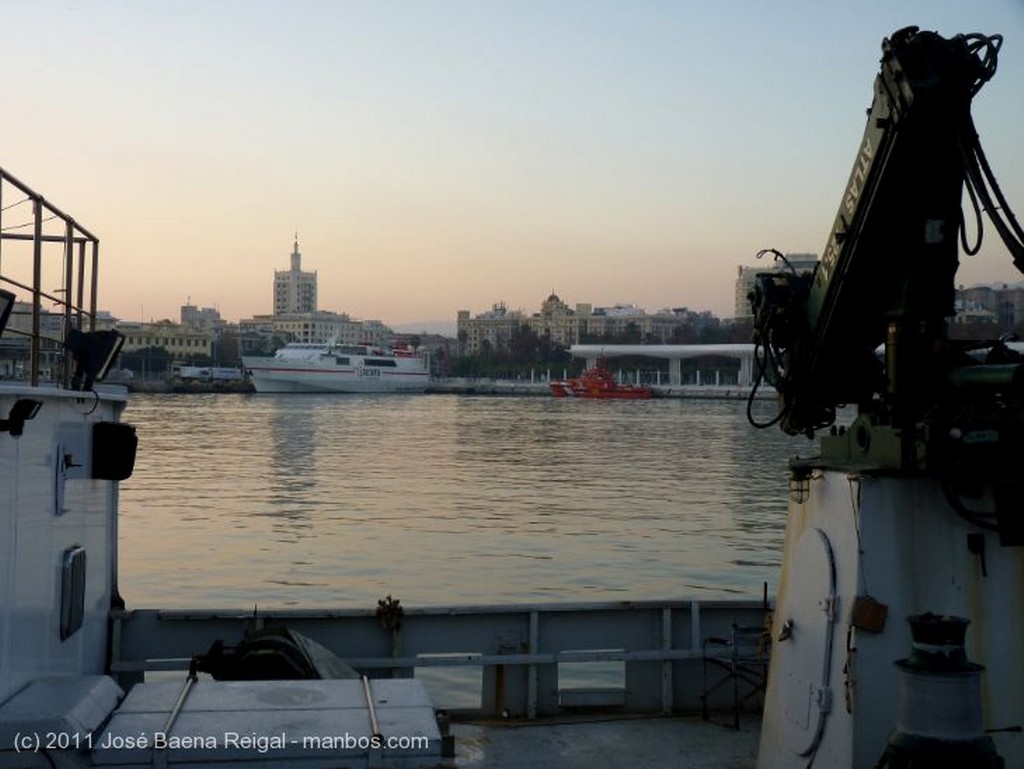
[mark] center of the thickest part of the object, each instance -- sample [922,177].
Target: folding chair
[742,660]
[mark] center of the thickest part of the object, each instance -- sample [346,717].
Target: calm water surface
[314,501]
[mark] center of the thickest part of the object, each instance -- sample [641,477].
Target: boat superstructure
[301,367]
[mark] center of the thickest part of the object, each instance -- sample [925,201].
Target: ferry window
[341,361]
[379,362]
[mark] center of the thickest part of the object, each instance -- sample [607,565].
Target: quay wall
[500,387]
[513,387]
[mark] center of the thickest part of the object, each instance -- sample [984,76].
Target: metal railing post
[37,276]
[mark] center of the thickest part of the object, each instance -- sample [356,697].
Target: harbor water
[298,501]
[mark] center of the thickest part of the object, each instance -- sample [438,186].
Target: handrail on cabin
[75,310]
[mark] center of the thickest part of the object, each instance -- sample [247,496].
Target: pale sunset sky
[437,155]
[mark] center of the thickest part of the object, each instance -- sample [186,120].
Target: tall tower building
[294,290]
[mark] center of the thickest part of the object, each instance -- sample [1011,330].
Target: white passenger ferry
[335,368]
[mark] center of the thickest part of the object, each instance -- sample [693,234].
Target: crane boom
[887,271]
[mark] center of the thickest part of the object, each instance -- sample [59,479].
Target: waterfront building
[201,317]
[294,289]
[374,332]
[565,326]
[745,279]
[256,335]
[620,321]
[182,342]
[556,321]
[323,326]
[491,330]
[317,327]
[970,314]
[105,321]
[671,324]
[999,303]
[259,325]
[627,322]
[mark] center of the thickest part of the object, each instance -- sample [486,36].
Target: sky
[443,155]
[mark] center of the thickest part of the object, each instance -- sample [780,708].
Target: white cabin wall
[33,536]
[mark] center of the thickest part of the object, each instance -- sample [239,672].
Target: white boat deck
[680,742]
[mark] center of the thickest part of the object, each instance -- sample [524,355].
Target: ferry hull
[269,376]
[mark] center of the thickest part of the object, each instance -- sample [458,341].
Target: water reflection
[292,457]
[319,500]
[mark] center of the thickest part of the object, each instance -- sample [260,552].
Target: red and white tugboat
[598,382]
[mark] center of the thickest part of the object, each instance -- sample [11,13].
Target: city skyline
[480,310]
[443,156]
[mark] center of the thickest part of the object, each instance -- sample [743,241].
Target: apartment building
[565,326]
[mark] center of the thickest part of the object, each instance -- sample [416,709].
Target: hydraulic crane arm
[887,271]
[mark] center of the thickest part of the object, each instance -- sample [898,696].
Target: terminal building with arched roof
[675,354]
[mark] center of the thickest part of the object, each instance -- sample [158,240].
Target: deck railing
[30,229]
[527,656]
